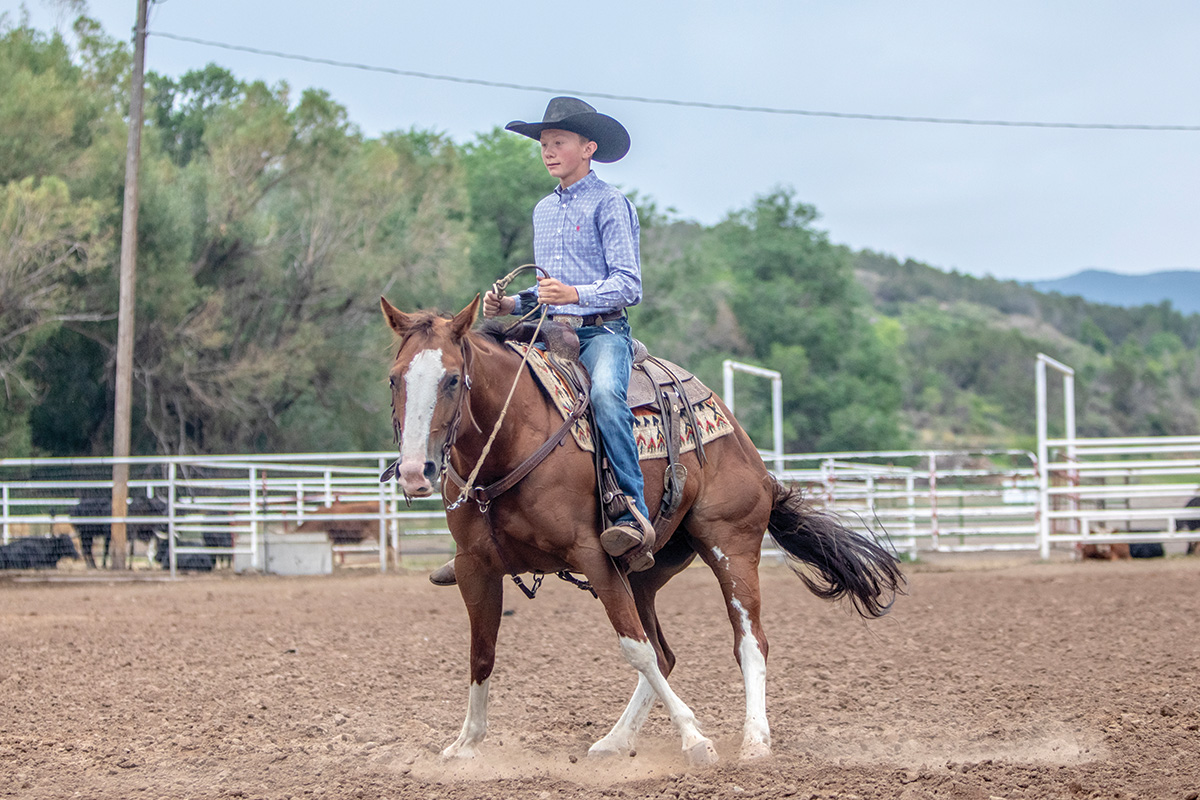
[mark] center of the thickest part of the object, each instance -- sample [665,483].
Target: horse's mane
[422,321]
[490,330]
[493,330]
[558,340]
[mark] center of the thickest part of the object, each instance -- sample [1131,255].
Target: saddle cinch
[655,385]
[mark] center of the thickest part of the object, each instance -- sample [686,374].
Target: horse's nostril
[430,471]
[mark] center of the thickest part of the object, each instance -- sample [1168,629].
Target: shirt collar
[579,186]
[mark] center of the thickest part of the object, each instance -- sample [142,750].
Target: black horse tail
[844,561]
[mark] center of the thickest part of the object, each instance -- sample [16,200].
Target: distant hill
[1181,287]
[967,347]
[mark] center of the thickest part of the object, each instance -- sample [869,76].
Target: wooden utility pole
[125,309]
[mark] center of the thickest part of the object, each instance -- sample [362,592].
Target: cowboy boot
[631,542]
[443,575]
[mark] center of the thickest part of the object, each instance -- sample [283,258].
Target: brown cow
[1116,551]
[345,531]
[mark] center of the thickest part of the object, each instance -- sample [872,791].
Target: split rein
[467,487]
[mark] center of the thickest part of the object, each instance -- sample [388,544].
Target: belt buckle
[571,320]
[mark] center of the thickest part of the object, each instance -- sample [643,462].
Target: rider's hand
[495,306]
[554,292]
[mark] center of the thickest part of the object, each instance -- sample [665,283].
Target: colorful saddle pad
[648,430]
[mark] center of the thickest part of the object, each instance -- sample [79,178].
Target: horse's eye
[451,383]
[392,383]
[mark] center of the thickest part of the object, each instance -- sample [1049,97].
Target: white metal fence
[232,500]
[1120,490]
[1092,490]
[932,501]
[1109,490]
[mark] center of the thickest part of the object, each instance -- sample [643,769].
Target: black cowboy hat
[572,114]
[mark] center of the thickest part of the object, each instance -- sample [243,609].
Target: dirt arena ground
[997,680]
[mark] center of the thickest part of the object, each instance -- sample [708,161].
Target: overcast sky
[1010,202]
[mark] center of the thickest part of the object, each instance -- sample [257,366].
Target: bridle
[483,496]
[464,402]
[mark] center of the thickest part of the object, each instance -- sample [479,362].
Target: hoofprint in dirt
[1028,681]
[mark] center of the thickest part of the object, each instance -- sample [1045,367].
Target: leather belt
[576,321]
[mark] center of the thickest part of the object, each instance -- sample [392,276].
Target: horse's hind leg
[642,656]
[623,737]
[737,572]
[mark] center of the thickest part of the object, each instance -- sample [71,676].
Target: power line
[683,103]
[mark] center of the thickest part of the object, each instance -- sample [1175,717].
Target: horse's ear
[397,319]
[464,319]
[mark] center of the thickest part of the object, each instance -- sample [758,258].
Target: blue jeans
[607,352]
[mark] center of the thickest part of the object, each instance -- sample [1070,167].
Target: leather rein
[484,495]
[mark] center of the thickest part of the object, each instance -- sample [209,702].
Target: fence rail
[930,500]
[919,501]
[206,499]
[1131,489]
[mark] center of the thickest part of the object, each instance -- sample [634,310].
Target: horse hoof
[702,753]
[603,749]
[753,750]
[459,751]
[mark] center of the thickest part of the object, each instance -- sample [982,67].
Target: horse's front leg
[483,593]
[639,652]
[623,737]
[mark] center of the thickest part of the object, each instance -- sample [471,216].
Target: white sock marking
[757,730]
[622,738]
[474,726]
[643,658]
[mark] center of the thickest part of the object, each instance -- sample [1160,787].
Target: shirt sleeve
[526,301]
[617,222]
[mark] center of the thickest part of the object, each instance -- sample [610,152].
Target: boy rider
[585,235]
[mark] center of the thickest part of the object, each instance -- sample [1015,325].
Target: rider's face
[567,155]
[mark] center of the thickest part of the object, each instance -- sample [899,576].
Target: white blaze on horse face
[421,383]
[756,734]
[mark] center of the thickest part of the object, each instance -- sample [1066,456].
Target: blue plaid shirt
[587,236]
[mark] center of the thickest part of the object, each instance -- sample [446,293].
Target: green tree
[505,180]
[180,111]
[50,244]
[427,232]
[764,285]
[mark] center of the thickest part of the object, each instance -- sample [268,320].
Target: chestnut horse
[449,385]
